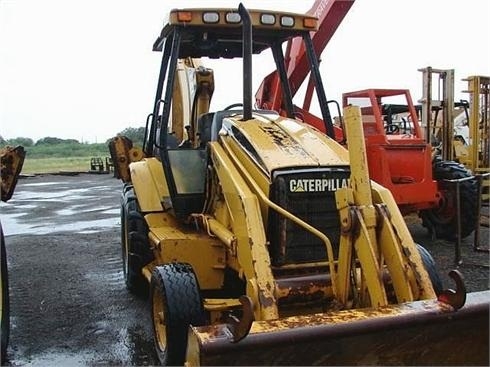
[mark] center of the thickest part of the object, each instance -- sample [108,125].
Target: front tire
[176,303]
[442,221]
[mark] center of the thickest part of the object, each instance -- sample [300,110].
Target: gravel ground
[69,305]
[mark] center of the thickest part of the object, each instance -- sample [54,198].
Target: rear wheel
[5,318]
[176,303]
[442,221]
[135,248]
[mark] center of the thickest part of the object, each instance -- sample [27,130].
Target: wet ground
[69,305]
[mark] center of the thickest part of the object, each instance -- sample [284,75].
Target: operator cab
[215,33]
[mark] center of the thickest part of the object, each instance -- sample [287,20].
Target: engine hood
[277,142]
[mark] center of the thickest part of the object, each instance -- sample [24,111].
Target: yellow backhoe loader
[260,239]
[11,161]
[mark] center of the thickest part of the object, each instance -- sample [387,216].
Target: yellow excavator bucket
[416,333]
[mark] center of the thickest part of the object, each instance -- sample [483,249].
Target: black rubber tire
[430,266]
[174,291]
[5,317]
[135,248]
[443,219]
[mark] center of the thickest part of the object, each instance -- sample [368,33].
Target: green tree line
[48,147]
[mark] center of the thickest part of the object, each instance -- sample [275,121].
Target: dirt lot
[69,305]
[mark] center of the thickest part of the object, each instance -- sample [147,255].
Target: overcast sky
[85,70]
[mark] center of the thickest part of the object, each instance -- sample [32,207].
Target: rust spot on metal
[265,300]
[303,289]
[283,140]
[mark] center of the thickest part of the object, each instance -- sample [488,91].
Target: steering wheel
[392,129]
[233,106]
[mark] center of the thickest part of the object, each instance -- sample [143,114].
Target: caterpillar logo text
[317,184]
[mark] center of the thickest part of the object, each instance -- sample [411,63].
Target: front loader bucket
[417,333]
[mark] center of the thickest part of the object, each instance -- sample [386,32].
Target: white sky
[84,69]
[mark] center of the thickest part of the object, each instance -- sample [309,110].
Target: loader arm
[251,249]
[368,230]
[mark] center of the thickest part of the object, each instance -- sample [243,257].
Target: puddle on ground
[132,347]
[58,359]
[11,226]
[77,209]
[37,184]
[40,212]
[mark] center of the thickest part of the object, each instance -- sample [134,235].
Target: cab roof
[217,32]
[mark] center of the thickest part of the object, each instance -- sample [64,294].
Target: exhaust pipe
[247,61]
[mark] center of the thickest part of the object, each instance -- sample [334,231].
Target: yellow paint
[205,254]
[145,187]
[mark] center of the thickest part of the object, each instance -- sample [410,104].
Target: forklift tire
[136,252]
[442,221]
[5,318]
[430,267]
[176,303]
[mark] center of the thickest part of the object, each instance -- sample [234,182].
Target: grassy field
[56,164]
[54,155]
[62,157]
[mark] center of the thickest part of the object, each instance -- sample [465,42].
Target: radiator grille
[310,195]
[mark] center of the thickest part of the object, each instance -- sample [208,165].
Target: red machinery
[399,157]
[269,96]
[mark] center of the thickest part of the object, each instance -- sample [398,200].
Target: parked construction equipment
[262,240]
[478,145]
[459,131]
[445,129]
[11,161]
[401,159]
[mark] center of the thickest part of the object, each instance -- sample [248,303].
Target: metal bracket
[240,328]
[457,298]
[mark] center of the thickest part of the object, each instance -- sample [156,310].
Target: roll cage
[219,33]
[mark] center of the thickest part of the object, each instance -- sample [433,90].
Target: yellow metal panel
[282,142]
[205,254]
[149,184]
[315,142]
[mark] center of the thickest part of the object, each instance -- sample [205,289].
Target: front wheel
[442,220]
[176,303]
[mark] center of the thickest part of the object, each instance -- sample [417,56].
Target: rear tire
[176,303]
[443,219]
[430,266]
[5,317]
[136,252]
